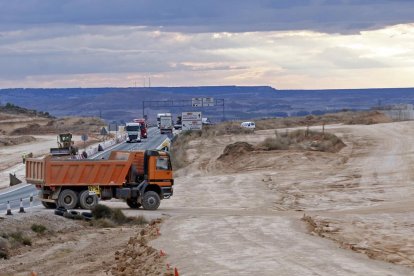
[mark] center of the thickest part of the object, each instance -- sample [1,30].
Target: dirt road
[244,217]
[11,157]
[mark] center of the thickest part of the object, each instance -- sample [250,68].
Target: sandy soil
[244,217]
[75,248]
[11,156]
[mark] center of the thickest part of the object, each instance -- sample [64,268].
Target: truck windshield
[132,128]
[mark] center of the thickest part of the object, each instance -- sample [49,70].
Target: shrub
[140,220]
[104,223]
[20,238]
[107,217]
[303,139]
[118,217]
[275,144]
[4,255]
[101,211]
[38,228]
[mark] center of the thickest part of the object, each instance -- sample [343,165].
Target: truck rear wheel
[68,199]
[133,203]
[49,205]
[151,201]
[87,201]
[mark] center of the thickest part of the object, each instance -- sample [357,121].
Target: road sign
[84,137]
[191,121]
[113,127]
[104,131]
[190,116]
[192,125]
[208,101]
[197,102]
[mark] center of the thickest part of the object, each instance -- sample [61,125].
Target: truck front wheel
[133,203]
[87,201]
[68,199]
[151,201]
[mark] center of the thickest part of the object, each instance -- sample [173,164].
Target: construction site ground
[286,212]
[245,216]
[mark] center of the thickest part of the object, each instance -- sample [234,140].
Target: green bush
[107,217]
[140,220]
[101,211]
[20,238]
[118,217]
[38,228]
[4,255]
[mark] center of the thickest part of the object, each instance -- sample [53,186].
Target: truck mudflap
[49,195]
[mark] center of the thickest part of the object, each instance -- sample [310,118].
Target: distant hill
[240,102]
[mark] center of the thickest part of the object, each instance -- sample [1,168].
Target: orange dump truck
[141,178]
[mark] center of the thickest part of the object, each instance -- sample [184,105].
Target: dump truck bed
[112,172]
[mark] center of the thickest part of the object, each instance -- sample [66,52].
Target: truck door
[161,171]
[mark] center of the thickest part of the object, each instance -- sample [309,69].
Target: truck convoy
[133,131]
[144,127]
[141,178]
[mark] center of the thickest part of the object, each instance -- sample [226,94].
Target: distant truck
[206,121]
[133,131]
[166,124]
[144,127]
[141,178]
[159,115]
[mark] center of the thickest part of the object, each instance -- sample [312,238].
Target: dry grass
[15,140]
[180,143]
[303,139]
[108,217]
[361,117]
[75,125]
[308,140]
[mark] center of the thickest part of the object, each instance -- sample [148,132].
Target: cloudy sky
[288,44]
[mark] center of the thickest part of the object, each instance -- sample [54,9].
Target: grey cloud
[343,16]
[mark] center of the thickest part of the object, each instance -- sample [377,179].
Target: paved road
[154,140]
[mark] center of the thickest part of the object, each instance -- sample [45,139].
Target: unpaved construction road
[243,217]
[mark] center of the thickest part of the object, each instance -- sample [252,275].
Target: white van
[250,125]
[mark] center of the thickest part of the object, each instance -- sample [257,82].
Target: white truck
[133,131]
[159,115]
[166,124]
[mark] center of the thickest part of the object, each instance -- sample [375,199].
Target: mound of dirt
[350,118]
[236,149]
[10,108]
[368,118]
[138,258]
[303,140]
[75,125]
[16,140]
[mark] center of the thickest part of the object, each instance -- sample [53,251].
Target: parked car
[250,125]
